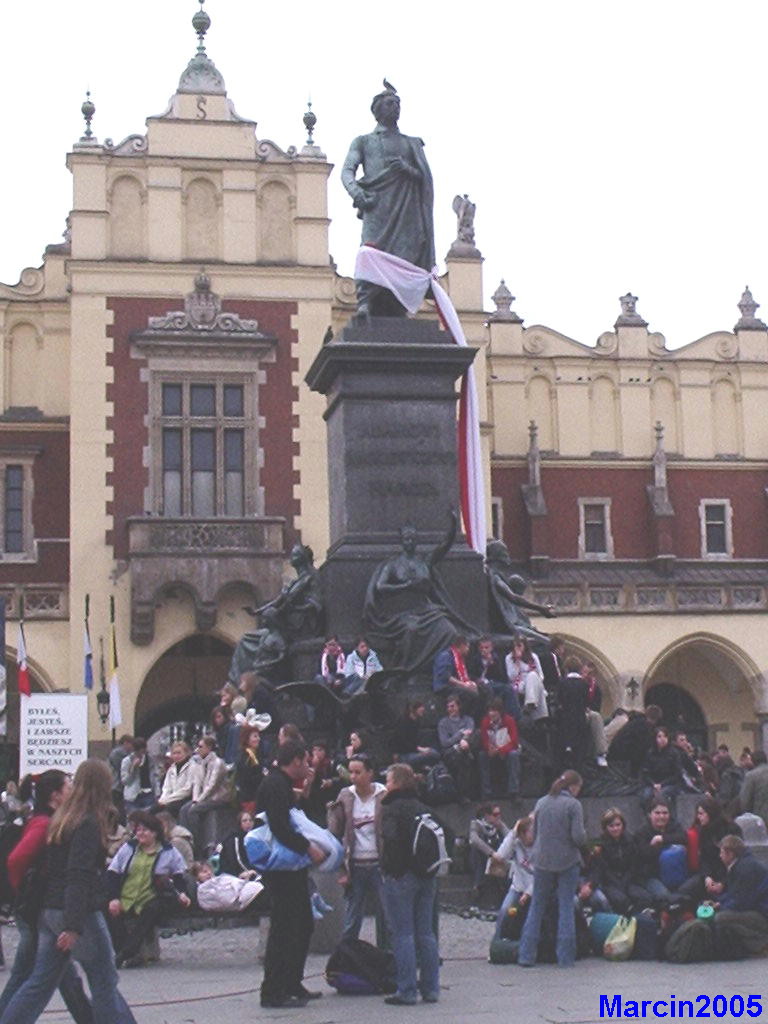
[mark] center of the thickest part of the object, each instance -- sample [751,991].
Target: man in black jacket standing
[291,922]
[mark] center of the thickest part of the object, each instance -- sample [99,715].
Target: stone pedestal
[392,459]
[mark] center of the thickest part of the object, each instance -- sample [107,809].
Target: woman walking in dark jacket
[26,875]
[72,923]
[408,900]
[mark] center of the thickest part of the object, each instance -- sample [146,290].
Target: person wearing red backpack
[408,898]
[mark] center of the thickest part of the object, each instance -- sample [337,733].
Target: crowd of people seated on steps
[495,712]
[489,700]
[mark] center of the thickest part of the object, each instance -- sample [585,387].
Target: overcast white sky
[609,146]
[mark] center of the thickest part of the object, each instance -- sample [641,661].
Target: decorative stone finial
[748,307]
[310,120]
[464,245]
[201,22]
[310,149]
[88,109]
[201,75]
[629,316]
[503,299]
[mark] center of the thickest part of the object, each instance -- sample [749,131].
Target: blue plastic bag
[267,854]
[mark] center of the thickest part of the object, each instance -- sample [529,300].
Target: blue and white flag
[87,650]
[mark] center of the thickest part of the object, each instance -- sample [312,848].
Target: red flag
[21,661]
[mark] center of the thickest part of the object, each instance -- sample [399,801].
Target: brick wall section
[631,518]
[746,490]
[130,397]
[50,505]
[505,484]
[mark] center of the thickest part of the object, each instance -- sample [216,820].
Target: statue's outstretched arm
[504,588]
[442,549]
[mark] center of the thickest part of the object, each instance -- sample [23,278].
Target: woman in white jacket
[517,849]
[177,784]
[210,786]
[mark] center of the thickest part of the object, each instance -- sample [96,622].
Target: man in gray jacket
[458,742]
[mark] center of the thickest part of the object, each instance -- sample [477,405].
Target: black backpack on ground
[357,968]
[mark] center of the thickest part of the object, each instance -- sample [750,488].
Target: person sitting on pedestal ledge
[458,742]
[359,666]
[449,673]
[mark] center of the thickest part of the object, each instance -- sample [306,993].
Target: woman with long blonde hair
[71,924]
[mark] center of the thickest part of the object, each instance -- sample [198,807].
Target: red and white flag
[409,283]
[21,662]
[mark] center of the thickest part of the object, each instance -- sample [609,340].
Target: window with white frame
[595,539]
[203,441]
[715,521]
[18,542]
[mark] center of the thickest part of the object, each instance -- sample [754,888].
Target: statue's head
[408,538]
[516,584]
[301,554]
[496,551]
[386,106]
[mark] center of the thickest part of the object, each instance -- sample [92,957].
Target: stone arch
[201,199]
[276,204]
[181,683]
[723,679]
[127,218]
[664,410]
[603,415]
[725,417]
[541,409]
[23,366]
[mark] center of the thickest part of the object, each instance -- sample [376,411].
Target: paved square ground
[213,977]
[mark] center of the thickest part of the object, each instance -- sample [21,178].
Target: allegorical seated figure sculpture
[407,608]
[260,650]
[298,607]
[506,589]
[394,199]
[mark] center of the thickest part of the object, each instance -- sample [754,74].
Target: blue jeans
[544,884]
[363,878]
[511,762]
[409,904]
[510,900]
[93,950]
[70,986]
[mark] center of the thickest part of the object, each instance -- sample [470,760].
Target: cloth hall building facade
[159,446]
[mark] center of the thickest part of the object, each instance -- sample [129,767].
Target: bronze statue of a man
[394,198]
